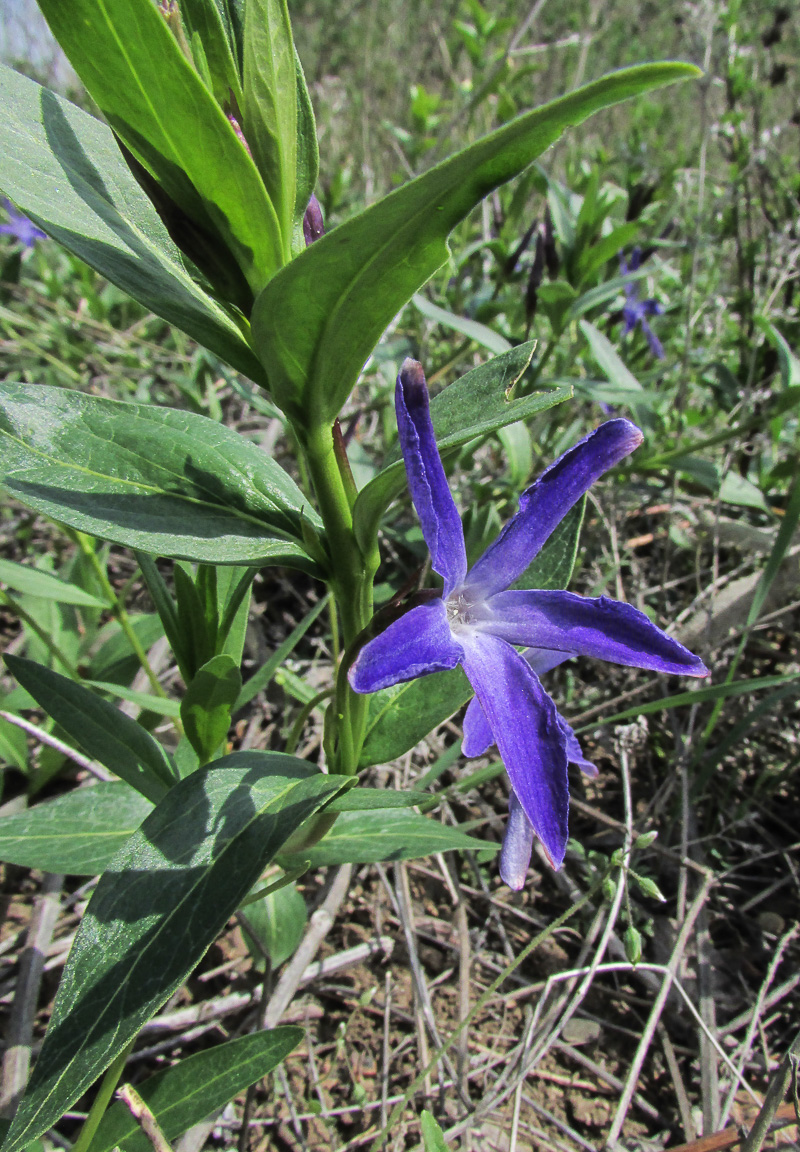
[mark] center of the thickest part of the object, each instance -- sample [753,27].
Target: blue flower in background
[636,311]
[20,227]
[480,619]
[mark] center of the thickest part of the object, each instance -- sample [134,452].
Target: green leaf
[610,363]
[367,799]
[164,898]
[277,921]
[205,20]
[552,568]
[432,1135]
[35,582]
[473,406]
[161,705]
[472,329]
[400,716]
[64,169]
[371,837]
[157,104]
[206,707]
[789,364]
[77,834]
[318,320]
[167,482]
[307,153]
[100,729]
[270,104]
[115,659]
[196,1087]
[13,744]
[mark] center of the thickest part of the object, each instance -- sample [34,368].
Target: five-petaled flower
[636,311]
[480,621]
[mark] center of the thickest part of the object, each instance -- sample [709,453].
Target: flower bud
[313,226]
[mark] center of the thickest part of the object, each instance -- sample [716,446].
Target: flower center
[463,610]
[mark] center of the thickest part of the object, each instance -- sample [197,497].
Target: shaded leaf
[400,716]
[164,898]
[163,481]
[97,727]
[64,170]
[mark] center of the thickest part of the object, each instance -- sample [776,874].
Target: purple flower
[20,227]
[480,619]
[636,311]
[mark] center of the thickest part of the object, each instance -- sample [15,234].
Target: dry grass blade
[19,1036]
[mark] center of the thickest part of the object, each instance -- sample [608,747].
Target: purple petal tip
[412,381]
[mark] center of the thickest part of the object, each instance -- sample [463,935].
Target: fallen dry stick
[730,1137]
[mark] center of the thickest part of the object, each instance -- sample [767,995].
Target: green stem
[117,607]
[101,1101]
[350,578]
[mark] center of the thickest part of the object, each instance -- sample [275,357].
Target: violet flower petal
[515,855]
[602,628]
[478,737]
[529,739]
[545,504]
[414,645]
[433,500]
[574,751]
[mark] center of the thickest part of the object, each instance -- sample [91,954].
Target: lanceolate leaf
[400,716]
[97,727]
[186,1093]
[77,834]
[161,903]
[151,96]
[35,582]
[206,707]
[167,482]
[271,104]
[64,169]
[318,320]
[369,837]
[474,406]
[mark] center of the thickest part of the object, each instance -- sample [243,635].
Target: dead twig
[19,1036]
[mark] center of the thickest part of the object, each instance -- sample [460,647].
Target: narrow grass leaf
[472,329]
